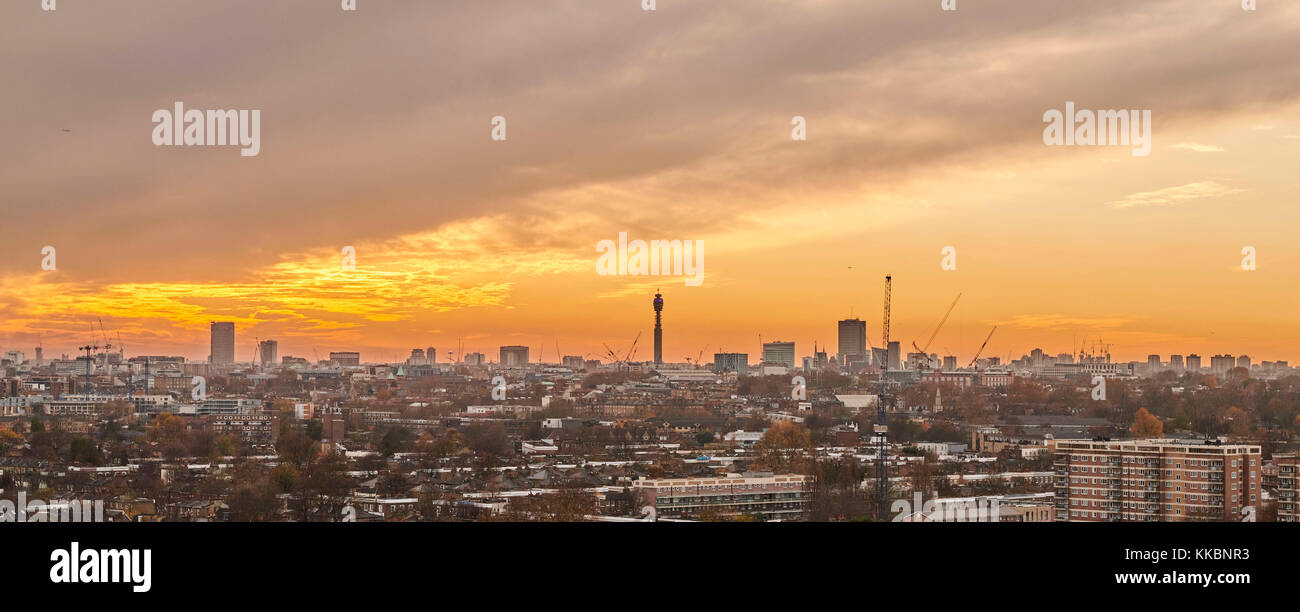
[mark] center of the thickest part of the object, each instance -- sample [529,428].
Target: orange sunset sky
[924,130]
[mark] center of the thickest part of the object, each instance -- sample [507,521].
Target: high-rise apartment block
[1288,481]
[1155,480]
[1176,363]
[1220,364]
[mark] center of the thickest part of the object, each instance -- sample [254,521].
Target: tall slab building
[223,343]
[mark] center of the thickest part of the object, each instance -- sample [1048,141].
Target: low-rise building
[762,495]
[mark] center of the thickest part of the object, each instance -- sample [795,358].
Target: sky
[924,130]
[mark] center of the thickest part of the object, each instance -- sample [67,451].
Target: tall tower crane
[884,326]
[924,355]
[986,343]
[881,429]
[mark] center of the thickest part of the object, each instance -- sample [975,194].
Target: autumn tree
[785,435]
[1238,422]
[9,439]
[166,428]
[1147,425]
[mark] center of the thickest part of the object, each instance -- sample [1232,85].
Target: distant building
[513,356]
[779,352]
[1220,364]
[1176,363]
[1194,363]
[659,329]
[267,351]
[573,362]
[475,359]
[222,343]
[853,341]
[345,358]
[229,406]
[731,362]
[894,356]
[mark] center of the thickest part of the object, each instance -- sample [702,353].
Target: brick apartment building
[1288,477]
[251,428]
[1155,480]
[759,494]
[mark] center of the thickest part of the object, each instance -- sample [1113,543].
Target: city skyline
[264,346]
[459,238]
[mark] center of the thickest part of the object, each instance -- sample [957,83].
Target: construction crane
[884,326]
[610,352]
[881,428]
[89,348]
[104,335]
[925,355]
[698,358]
[986,343]
[130,372]
[632,351]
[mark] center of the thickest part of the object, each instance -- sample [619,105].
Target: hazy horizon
[924,130]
